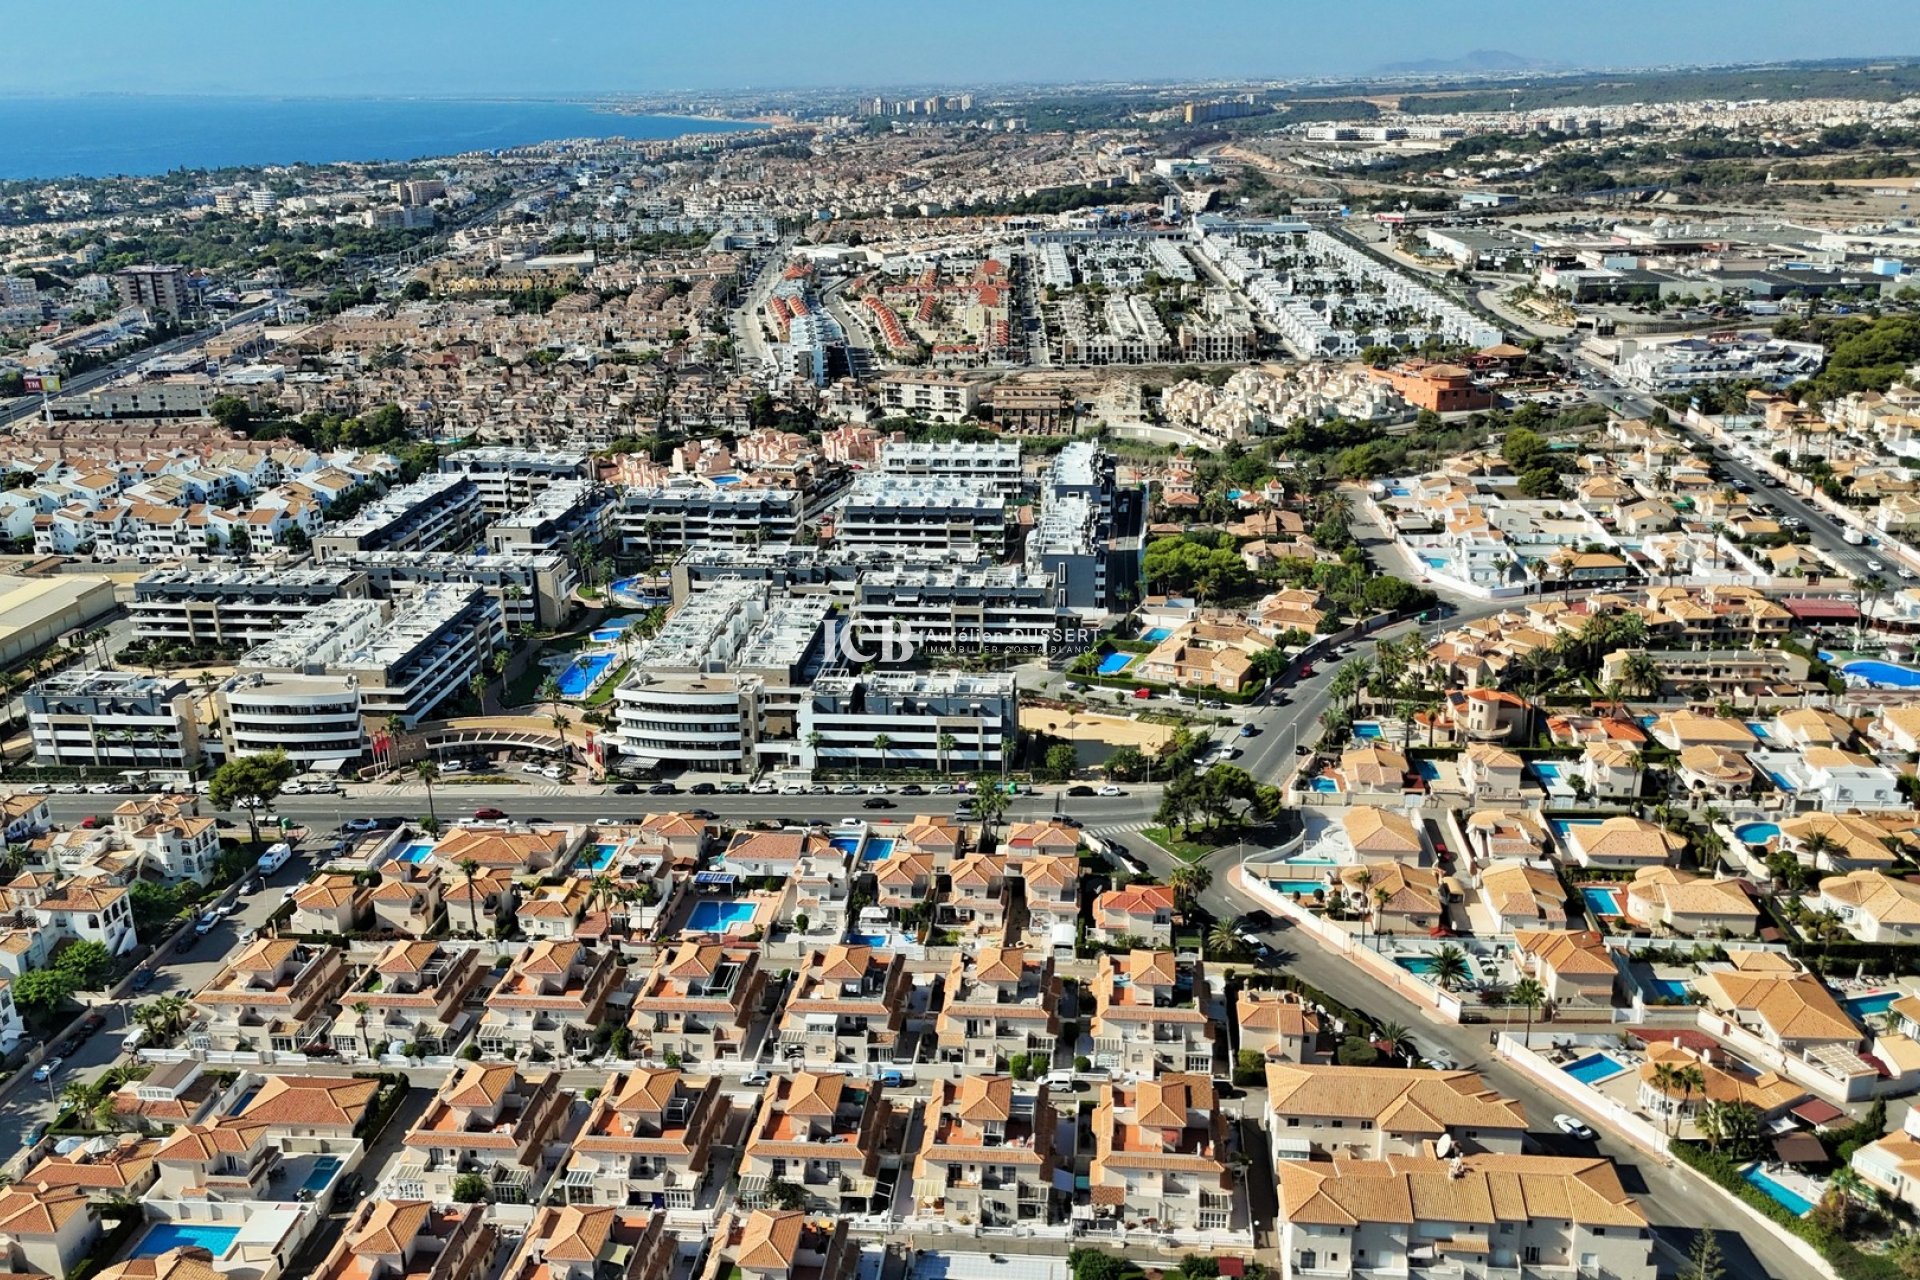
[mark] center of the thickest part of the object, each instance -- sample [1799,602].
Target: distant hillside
[1479,61]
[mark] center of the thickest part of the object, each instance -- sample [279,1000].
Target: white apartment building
[316,720]
[408,655]
[938,397]
[684,513]
[992,462]
[113,720]
[197,606]
[937,513]
[533,588]
[564,514]
[978,608]
[434,513]
[916,712]
[509,479]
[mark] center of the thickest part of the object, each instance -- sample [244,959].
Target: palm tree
[1221,939]
[469,868]
[362,1008]
[549,693]
[990,804]
[1363,880]
[1451,967]
[880,743]
[1381,897]
[429,774]
[814,739]
[1640,673]
[477,686]
[1397,1040]
[1666,1081]
[946,742]
[1189,881]
[1529,995]
[1691,1080]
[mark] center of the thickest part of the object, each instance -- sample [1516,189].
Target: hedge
[1847,1260]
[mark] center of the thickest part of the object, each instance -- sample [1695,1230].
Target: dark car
[142,979]
[913,789]
[185,942]
[70,1046]
[876,802]
[663,789]
[90,1024]
[1258,921]
[1080,790]
[703,789]
[625,789]
[705,815]
[487,812]
[1067,821]
[394,824]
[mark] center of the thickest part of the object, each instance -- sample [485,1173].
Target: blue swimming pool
[1367,729]
[1793,1200]
[1870,1005]
[1435,562]
[1780,780]
[1755,832]
[1594,1068]
[582,672]
[1669,988]
[602,857]
[163,1236]
[636,592]
[1400,491]
[1547,771]
[1883,673]
[1307,887]
[1326,786]
[1156,635]
[1759,730]
[877,850]
[719,917]
[1114,663]
[1422,966]
[1428,769]
[846,844]
[324,1167]
[1563,826]
[1600,902]
[416,853]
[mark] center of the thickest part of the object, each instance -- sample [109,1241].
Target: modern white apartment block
[533,589]
[979,608]
[565,514]
[113,720]
[201,606]
[509,479]
[992,462]
[316,720]
[939,397]
[729,668]
[408,655]
[434,513]
[935,512]
[916,712]
[683,514]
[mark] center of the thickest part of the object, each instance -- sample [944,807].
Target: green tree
[782,1194]
[1529,995]
[469,868]
[41,992]
[231,412]
[1095,1264]
[1451,967]
[89,964]
[880,743]
[429,774]
[1704,1260]
[470,1188]
[1060,761]
[250,782]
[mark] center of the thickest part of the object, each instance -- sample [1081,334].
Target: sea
[110,135]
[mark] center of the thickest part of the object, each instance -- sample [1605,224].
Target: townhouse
[1369,1113]
[416,995]
[1160,1157]
[552,998]
[986,1154]
[276,994]
[1278,1026]
[698,1002]
[490,1121]
[410,1240]
[1146,1017]
[648,1141]
[848,1006]
[1140,912]
[762,1244]
[1570,965]
[999,1004]
[823,1133]
[1052,889]
[584,1242]
[977,897]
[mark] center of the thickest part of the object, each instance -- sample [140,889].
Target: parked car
[876,802]
[1080,789]
[142,979]
[184,943]
[663,789]
[360,824]
[890,1079]
[1258,921]
[734,789]
[846,789]
[1110,790]
[913,789]
[758,1075]
[48,1069]
[703,789]
[487,813]
[1249,730]
[625,789]
[1574,1127]
[1143,693]
[705,815]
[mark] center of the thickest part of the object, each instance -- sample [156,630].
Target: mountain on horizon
[1480,60]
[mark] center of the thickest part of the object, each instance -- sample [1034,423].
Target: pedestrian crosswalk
[1120,828]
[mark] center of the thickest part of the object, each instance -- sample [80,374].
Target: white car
[1574,1127]
[1905,573]
[1109,790]
[1875,565]
[879,789]
[761,789]
[293,789]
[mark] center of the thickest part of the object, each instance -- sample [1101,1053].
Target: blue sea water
[102,135]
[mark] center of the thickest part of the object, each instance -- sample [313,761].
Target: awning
[1817,1112]
[721,878]
[1800,1148]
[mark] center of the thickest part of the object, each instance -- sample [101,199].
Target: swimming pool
[724,480]
[1759,730]
[1428,769]
[416,853]
[602,857]
[1793,1200]
[1869,1005]
[1780,780]
[1755,832]
[163,1236]
[1400,491]
[324,1167]
[1308,887]
[1594,1068]
[1546,770]
[1422,967]
[634,591]
[1114,663]
[846,844]
[582,672]
[877,850]
[1367,729]
[1435,562]
[719,917]
[1600,902]
[1326,786]
[1883,673]
[1156,635]
[1668,988]
[1563,826]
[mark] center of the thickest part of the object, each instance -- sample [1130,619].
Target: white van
[1059,1078]
[275,858]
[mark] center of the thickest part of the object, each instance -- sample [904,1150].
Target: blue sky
[583,46]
